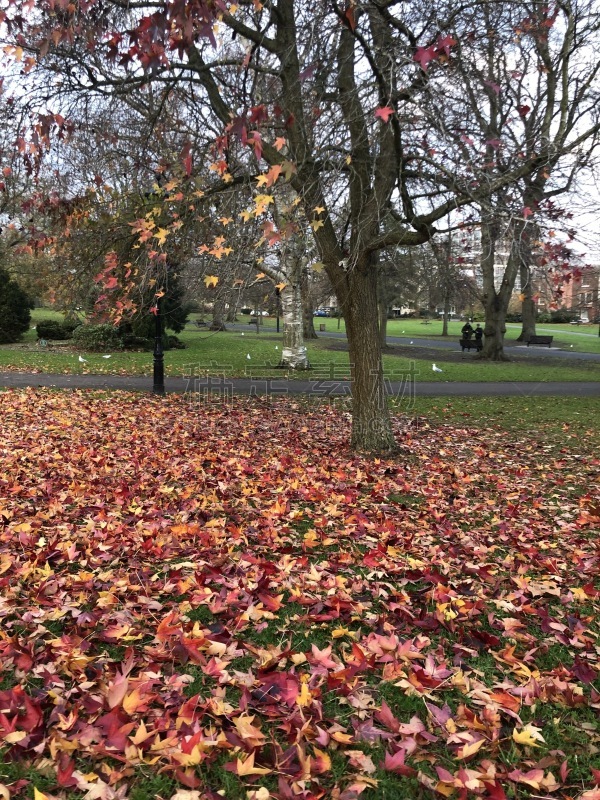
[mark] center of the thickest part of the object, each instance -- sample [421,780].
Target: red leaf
[395,763]
[384,113]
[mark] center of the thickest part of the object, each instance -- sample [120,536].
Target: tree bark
[527,305]
[294,353]
[446,310]
[383,324]
[495,301]
[307,309]
[371,422]
[218,315]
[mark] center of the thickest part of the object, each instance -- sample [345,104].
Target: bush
[563,316]
[15,309]
[175,343]
[70,325]
[97,338]
[51,329]
[544,317]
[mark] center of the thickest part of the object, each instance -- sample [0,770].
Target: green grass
[568,421]
[227,353]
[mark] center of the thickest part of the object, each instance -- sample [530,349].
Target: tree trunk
[383,324]
[218,315]
[294,353]
[495,301]
[495,328]
[446,311]
[371,422]
[307,309]
[527,306]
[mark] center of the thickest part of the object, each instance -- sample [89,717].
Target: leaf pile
[222,600]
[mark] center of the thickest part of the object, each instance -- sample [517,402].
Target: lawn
[220,600]
[246,353]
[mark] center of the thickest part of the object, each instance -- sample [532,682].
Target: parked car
[321,312]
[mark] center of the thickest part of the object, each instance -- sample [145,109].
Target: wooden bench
[471,344]
[540,340]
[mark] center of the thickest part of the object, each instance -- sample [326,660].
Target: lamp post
[278,294]
[158,354]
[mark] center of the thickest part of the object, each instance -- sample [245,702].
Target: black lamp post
[159,358]
[278,293]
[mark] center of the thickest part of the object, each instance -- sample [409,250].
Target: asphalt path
[215,387]
[517,351]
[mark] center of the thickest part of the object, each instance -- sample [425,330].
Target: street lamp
[278,294]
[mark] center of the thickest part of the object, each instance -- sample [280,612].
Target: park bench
[471,344]
[540,340]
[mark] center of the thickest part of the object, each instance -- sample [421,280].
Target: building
[582,294]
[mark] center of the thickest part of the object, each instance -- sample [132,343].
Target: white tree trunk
[294,353]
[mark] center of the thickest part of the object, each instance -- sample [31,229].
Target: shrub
[70,325]
[51,329]
[15,309]
[97,338]
[175,343]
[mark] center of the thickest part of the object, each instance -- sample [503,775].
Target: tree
[15,309]
[523,92]
[329,97]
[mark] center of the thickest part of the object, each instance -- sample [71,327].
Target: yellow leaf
[260,275]
[318,266]
[262,180]
[161,234]
[528,736]
[14,737]
[305,697]
[211,281]
[37,795]
[280,286]
[469,749]
[522,297]
[316,224]
[132,701]
[247,767]
[225,220]
[319,209]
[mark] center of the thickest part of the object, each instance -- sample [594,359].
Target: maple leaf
[247,767]
[161,234]
[384,113]
[210,281]
[316,224]
[280,143]
[423,55]
[529,735]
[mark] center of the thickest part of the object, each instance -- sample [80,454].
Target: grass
[227,353]
[570,422]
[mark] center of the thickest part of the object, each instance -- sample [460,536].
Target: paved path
[276,387]
[517,351]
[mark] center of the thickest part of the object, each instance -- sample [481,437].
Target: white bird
[248,355]
[277,347]
[435,368]
[411,341]
[242,334]
[403,331]
[83,360]
[571,345]
[105,356]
